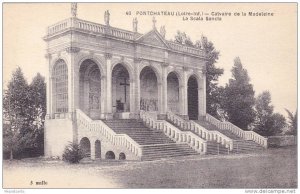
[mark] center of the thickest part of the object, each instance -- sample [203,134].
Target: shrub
[73,153]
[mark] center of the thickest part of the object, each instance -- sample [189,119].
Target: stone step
[138,131]
[166,150]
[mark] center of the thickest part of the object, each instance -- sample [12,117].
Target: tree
[37,109]
[15,113]
[238,100]
[292,122]
[24,113]
[278,123]
[213,92]
[266,122]
[264,111]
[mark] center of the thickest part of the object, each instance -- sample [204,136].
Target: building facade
[111,73]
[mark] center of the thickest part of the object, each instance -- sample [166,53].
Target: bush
[73,153]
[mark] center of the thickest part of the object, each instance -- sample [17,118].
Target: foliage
[238,100]
[23,113]
[292,121]
[213,92]
[266,122]
[73,153]
[15,114]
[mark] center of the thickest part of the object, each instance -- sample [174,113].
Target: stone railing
[186,49]
[194,141]
[200,131]
[247,135]
[100,127]
[75,23]
[90,27]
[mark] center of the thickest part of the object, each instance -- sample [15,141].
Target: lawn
[274,168]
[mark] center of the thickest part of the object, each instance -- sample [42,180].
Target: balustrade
[100,127]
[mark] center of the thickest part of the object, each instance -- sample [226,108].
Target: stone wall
[279,141]
[58,133]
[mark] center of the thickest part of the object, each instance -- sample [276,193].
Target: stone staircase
[214,148]
[155,144]
[240,145]
[154,152]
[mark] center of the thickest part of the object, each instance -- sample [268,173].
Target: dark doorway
[85,146]
[110,155]
[193,98]
[120,89]
[122,156]
[149,90]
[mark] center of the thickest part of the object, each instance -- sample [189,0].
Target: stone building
[101,77]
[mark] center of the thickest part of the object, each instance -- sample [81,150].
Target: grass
[274,168]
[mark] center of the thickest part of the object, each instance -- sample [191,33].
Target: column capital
[108,56]
[72,49]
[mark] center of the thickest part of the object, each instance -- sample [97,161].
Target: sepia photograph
[149,96]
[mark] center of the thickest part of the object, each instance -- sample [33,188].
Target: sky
[266,45]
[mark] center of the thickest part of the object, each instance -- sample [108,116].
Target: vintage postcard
[150,95]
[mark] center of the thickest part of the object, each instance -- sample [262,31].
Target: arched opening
[60,87]
[90,88]
[110,155]
[85,146]
[97,149]
[122,156]
[120,89]
[193,98]
[173,92]
[148,89]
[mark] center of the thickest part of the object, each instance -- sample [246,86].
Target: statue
[135,22]
[106,17]
[163,31]
[74,9]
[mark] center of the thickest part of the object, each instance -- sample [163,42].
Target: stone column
[102,97]
[132,97]
[164,89]
[48,86]
[137,91]
[202,97]
[184,112]
[160,96]
[73,79]
[108,57]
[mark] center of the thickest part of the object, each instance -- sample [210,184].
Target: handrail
[194,141]
[247,135]
[114,138]
[75,23]
[201,131]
